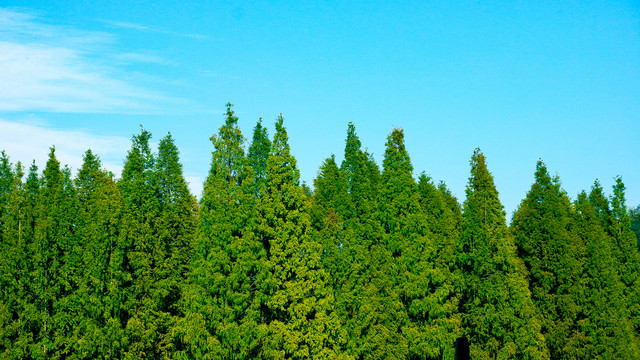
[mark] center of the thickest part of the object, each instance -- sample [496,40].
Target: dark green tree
[55,254]
[554,256]
[499,318]
[607,332]
[99,332]
[222,318]
[258,156]
[635,223]
[14,258]
[624,241]
[158,223]
[424,261]
[368,303]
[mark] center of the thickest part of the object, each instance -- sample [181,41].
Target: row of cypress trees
[371,264]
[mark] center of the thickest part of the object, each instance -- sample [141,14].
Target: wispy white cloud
[31,138]
[55,68]
[145,28]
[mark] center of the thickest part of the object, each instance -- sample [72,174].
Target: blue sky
[553,80]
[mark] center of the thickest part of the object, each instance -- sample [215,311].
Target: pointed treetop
[396,157]
[280,148]
[258,154]
[172,185]
[618,202]
[600,204]
[139,157]
[482,203]
[52,173]
[228,158]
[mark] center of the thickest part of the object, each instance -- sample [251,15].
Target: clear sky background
[522,80]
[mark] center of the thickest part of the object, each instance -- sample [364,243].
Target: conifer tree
[175,228]
[368,303]
[258,155]
[19,229]
[499,316]
[98,335]
[424,279]
[635,223]
[553,254]
[54,274]
[605,325]
[145,253]
[13,259]
[327,216]
[221,307]
[297,301]
[628,257]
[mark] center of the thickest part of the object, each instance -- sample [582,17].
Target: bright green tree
[297,303]
[499,318]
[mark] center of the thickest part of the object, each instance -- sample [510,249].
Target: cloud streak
[27,142]
[30,140]
[59,69]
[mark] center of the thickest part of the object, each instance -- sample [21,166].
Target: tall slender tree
[55,260]
[424,278]
[258,156]
[554,256]
[13,259]
[221,307]
[369,303]
[297,301]
[499,316]
[607,331]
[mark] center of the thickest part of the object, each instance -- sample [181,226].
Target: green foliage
[157,225]
[297,303]
[606,330]
[368,265]
[258,155]
[635,223]
[220,302]
[553,254]
[424,279]
[500,318]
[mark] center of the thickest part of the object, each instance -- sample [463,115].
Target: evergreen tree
[327,210]
[424,278]
[222,319]
[99,332]
[607,331]
[628,257]
[54,274]
[13,261]
[368,303]
[297,303]
[553,254]
[635,223]
[499,316]
[258,155]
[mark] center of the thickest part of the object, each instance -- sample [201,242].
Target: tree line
[369,264]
